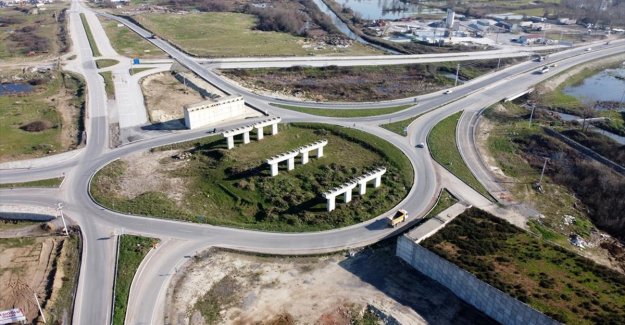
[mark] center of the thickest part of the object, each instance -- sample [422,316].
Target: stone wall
[212,111]
[490,300]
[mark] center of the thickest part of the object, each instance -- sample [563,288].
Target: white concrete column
[363,188]
[246,137]
[378,181]
[290,163]
[274,129]
[348,195]
[259,132]
[304,157]
[331,203]
[230,142]
[319,152]
[274,169]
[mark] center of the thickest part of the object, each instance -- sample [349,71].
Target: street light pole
[457,72]
[532,115]
[60,208]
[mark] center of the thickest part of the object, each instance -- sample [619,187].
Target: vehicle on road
[448,91]
[554,65]
[589,49]
[544,70]
[421,145]
[399,217]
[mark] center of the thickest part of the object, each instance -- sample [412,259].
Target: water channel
[345,29]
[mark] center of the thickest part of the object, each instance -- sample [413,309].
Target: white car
[448,91]
[589,49]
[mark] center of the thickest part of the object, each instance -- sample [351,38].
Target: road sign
[11,316]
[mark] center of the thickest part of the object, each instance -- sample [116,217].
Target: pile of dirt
[37,126]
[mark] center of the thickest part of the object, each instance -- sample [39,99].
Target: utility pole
[43,317]
[532,114]
[457,72]
[498,63]
[542,173]
[60,208]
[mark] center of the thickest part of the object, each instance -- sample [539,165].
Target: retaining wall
[490,300]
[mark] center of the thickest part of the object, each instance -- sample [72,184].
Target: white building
[211,111]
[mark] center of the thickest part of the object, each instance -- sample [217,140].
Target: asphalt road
[93,303]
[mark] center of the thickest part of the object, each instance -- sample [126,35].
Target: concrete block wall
[490,300]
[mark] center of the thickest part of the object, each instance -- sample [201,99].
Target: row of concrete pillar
[290,156]
[245,130]
[348,187]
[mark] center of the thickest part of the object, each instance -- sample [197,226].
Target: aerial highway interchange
[180,239]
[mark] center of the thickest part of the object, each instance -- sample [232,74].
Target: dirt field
[44,263]
[231,288]
[165,96]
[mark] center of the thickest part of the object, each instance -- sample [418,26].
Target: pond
[388,9]
[14,88]
[607,85]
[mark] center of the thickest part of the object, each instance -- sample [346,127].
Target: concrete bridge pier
[331,202]
[274,169]
[259,133]
[230,140]
[290,163]
[246,137]
[274,129]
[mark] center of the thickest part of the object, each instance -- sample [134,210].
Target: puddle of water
[607,85]
[14,88]
[388,9]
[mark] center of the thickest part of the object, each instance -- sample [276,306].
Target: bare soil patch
[165,97]
[45,265]
[310,290]
[154,175]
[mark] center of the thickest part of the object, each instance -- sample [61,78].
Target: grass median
[105,63]
[50,182]
[345,112]
[444,149]
[92,43]
[399,126]
[109,86]
[132,250]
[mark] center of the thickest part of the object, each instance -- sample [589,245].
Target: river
[607,85]
[388,9]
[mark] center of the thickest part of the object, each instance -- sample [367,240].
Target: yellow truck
[398,218]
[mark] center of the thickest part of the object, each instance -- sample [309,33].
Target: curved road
[93,303]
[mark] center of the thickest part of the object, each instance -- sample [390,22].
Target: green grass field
[92,43]
[132,250]
[128,43]
[105,63]
[109,85]
[345,112]
[51,182]
[442,144]
[227,34]
[45,32]
[233,187]
[557,282]
[38,105]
